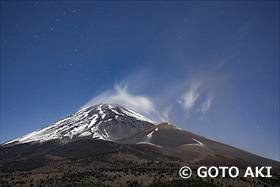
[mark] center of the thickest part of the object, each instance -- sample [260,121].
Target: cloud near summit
[190,99]
[139,103]
[121,96]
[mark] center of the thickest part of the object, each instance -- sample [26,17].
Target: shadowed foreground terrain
[89,162]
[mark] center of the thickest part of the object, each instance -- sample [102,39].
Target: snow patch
[136,115]
[150,135]
[198,142]
[113,109]
[100,111]
[149,144]
[85,134]
[93,121]
[179,128]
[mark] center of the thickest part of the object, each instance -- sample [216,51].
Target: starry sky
[211,68]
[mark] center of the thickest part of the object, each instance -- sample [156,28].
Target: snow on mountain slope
[103,121]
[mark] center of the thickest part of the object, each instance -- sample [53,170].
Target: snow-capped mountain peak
[102,121]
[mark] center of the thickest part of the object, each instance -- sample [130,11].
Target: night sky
[211,68]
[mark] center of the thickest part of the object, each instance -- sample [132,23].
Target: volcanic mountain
[103,139]
[103,121]
[112,122]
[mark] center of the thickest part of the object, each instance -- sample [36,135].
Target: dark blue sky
[208,67]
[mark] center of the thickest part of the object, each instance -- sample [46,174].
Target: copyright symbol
[185,172]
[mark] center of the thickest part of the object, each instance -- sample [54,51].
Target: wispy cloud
[207,104]
[190,96]
[194,97]
[164,116]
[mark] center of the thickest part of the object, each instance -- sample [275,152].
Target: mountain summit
[102,121]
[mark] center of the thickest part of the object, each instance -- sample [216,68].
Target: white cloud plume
[120,96]
[189,98]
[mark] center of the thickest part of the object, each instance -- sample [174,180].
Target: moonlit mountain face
[103,121]
[89,146]
[120,125]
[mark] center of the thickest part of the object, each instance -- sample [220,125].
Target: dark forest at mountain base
[89,162]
